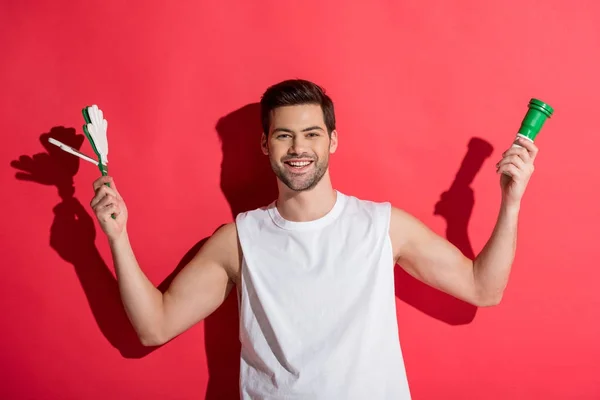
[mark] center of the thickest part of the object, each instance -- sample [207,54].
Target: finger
[518,151]
[108,181]
[98,183]
[104,202]
[532,149]
[104,190]
[101,193]
[106,214]
[93,110]
[97,199]
[514,159]
[510,169]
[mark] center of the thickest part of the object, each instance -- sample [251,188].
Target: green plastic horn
[537,114]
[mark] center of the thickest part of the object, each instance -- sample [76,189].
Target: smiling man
[313,270]
[299,145]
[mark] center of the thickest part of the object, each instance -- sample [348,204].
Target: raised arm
[199,288]
[438,263]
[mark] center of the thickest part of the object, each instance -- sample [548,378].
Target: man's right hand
[107,202]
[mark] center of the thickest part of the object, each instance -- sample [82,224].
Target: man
[314,269]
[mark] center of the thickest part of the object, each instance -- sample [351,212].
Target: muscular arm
[198,290]
[438,263]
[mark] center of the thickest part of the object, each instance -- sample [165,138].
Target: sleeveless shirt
[317,305]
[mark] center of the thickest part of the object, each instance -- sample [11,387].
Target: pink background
[413,83]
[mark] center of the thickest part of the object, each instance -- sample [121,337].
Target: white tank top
[317,305]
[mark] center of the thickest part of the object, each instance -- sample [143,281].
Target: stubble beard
[299,183]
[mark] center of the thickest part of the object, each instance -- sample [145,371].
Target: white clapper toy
[95,130]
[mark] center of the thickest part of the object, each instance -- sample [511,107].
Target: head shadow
[247,182]
[455,206]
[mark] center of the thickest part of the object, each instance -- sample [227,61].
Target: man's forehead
[298,116]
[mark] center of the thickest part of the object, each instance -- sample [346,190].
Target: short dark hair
[293,92]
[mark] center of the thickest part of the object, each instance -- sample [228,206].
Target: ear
[334,142]
[264,145]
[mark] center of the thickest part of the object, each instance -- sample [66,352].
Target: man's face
[298,145]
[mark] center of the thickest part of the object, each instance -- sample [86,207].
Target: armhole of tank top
[387,206]
[239,224]
[240,287]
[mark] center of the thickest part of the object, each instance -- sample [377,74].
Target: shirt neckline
[308,225]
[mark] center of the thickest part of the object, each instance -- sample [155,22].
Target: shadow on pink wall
[247,183]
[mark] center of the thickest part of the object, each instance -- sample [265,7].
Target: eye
[313,134]
[283,136]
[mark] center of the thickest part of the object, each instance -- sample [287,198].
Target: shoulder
[224,234]
[403,223]
[384,208]
[354,204]
[224,246]
[407,231]
[400,216]
[253,215]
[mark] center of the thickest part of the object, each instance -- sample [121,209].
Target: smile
[298,166]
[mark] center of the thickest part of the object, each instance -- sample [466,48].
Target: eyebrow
[310,128]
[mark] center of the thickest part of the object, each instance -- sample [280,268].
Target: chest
[317,263]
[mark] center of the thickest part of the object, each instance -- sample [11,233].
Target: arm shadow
[246,182]
[73,235]
[455,206]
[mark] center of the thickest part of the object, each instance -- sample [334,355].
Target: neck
[307,205]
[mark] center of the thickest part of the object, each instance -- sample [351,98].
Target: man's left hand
[516,167]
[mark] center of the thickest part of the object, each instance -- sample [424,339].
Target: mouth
[298,166]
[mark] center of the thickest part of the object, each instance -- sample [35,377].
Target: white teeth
[299,164]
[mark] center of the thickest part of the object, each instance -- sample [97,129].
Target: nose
[299,145]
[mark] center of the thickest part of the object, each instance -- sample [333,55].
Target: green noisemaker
[533,121]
